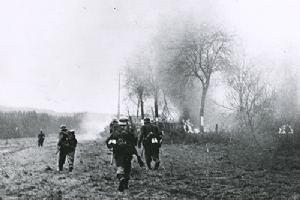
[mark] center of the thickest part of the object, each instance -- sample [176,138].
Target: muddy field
[187,172]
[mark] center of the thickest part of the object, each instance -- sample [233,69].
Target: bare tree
[287,100]
[136,82]
[250,97]
[153,81]
[200,54]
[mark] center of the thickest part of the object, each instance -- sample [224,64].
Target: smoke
[92,125]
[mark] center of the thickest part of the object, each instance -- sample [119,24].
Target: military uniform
[66,146]
[41,138]
[151,139]
[121,142]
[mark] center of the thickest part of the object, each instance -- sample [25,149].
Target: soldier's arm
[60,138]
[107,139]
[75,142]
[107,142]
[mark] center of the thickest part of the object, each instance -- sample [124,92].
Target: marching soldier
[41,138]
[66,147]
[122,144]
[151,139]
[132,138]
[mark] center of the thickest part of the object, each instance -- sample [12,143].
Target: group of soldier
[123,141]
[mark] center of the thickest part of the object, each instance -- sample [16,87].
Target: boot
[122,185]
[149,166]
[141,163]
[156,165]
[126,184]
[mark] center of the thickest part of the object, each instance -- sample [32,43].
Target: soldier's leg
[120,171]
[61,159]
[139,159]
[71,160]
[148,157]
[127,170]
[156,158]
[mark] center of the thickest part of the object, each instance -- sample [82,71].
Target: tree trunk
[202,106]
[142,107]
[156,106]
[252,129]
[217,129]
[138,108]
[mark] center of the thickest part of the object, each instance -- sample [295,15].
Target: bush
[178,136]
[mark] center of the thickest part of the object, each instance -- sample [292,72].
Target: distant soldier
[66,147]
[122,144]
[41,138]
[151,139]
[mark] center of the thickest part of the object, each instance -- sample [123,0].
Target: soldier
[151,139]
[66,147]
[41,138]
[121,142]
[132,138]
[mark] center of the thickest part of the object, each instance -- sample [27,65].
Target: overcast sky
[65,55]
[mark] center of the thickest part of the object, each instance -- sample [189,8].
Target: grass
[211,170]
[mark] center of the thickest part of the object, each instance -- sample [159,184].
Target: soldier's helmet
[63,127]
[124,120]
[123,123]
[146,120]
[115,121]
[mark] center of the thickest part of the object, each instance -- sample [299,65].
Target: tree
[250,97]
[287,101]
[200,54]
[137,81]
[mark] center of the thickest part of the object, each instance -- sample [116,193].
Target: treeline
[28,124]
[198,72]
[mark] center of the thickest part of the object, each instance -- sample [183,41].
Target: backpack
[69,140]
[120,142]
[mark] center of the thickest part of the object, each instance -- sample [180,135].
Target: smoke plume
[92,125]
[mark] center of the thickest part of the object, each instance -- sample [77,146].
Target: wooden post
[217,129]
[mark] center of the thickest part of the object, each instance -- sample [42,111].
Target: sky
[65,55]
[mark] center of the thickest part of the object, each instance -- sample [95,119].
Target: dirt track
[187,172]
